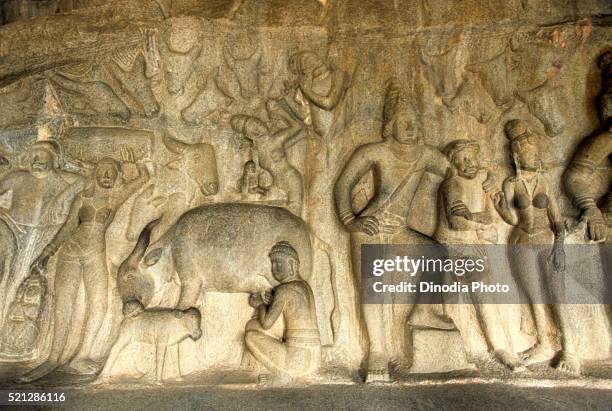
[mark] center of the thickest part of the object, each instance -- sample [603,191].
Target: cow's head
[192,320]
[199,163]
[145,268]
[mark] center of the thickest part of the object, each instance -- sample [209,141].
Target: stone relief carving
[587,178]
[206,186]
[81,246]
[298,353]
[163,328]
[527,203]
[466,218]
[400,163]
[22,326]
[40,198]
[271,147]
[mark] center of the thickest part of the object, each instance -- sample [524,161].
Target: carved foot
[399,367]
[569,363]
[537,354]
[37,373]
[378,375]
[84,367]
[268,380]
[510,360]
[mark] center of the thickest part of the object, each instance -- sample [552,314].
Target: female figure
[82,257]
[271,146]
[528,204]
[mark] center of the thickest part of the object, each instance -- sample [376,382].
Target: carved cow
[224,247]
[163,328]
[176,186]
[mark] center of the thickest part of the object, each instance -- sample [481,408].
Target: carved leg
[378,325]
[401,336]
[95,275]
[177,355]
[160,358]
[292,184]
[190,291]
[122,342]
[526,265]
[568,361]
[269,351]
[496,335]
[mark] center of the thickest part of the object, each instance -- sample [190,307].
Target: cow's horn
[141,245]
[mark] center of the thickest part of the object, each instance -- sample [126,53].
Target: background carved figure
[40,197]
[587,179]
[271,147]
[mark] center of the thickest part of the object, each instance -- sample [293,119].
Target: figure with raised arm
[81,243]
[271,149]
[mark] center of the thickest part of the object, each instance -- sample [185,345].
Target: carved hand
[127,155]
[255,300]
[267,297]
[40,264]
[558,258]
[306,80]
[499,201]
[272,106]
[596,224]
[489,184]
[368,225]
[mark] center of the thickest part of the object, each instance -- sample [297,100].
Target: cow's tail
[332,316]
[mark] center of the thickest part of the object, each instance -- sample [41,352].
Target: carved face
[42,159]
[527,153]
[106,175]
[282,267]
[250,167]
[404,129]
[466,162]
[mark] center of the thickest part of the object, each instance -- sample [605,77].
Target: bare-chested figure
[82,257]
[298,354]
[589,175]
[271,150]
[321,89]
[465,220]
[398,162]
[250,182]
[40,198]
